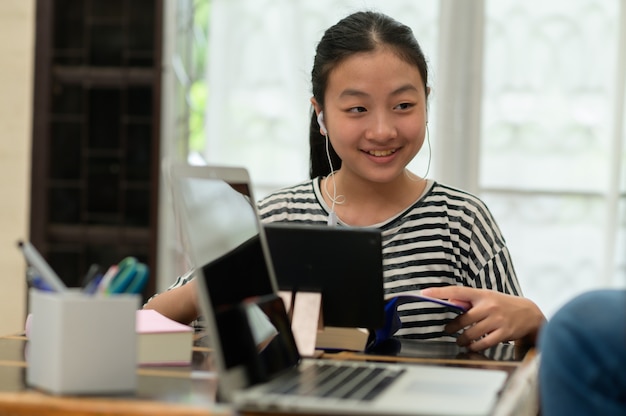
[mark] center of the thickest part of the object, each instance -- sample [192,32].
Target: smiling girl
[369,120]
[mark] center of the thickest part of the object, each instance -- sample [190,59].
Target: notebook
[345,264]
[259,366]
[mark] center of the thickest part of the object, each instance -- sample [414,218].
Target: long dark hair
[359,32]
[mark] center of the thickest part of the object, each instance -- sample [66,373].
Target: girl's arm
[179,304]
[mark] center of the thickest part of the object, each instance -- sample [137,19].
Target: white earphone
[320,121]
[332,217]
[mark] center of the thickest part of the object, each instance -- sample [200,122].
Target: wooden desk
[160,391]
[171,390]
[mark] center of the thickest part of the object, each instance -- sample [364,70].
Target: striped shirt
[447,237]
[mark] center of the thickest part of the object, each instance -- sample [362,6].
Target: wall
[17,23]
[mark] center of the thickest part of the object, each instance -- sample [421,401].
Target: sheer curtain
[552,141]
[526,110]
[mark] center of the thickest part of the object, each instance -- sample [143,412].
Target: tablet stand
[305,311]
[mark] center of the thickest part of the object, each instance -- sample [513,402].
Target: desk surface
[160,390]
[185,390]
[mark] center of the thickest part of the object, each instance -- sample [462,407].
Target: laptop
[254,352]
[344,264]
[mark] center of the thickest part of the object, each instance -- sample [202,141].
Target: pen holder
[82,344]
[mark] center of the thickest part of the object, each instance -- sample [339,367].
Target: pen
[92,283]
[104,282]
[39,264]
[35,281]
[90,276]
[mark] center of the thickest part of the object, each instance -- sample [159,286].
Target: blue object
[37,282]
[392,319]
[131,277]
[140,279]
[583,356]
[392,323]
[93,284]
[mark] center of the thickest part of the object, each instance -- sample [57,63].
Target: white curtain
[526,110]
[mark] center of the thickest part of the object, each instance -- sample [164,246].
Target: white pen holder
[82,344]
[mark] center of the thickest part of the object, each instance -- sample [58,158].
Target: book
[344,339]
[162,341]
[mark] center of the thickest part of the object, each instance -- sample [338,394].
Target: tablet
[343,263]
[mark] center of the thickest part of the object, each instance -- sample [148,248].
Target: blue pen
[91,287]
[35,281]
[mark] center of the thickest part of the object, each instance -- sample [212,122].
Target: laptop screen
[222,235]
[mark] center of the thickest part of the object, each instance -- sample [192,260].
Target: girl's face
[375,113]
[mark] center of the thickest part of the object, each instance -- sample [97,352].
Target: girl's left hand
[493,317]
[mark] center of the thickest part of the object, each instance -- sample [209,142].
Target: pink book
[162,341]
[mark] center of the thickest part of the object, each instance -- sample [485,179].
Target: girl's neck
[360,202]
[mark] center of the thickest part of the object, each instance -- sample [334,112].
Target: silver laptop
[254,351]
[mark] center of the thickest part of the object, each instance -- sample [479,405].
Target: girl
[369,120]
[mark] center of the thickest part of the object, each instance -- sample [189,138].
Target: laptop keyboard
[339,381]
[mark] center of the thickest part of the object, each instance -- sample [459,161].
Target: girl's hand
[493,317]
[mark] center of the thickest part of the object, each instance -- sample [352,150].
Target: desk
[169,390]
[160,391]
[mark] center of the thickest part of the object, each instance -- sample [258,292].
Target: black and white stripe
[447,237]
